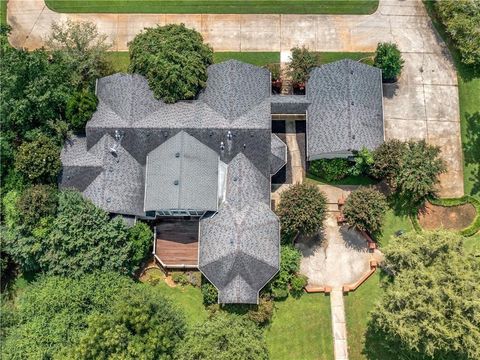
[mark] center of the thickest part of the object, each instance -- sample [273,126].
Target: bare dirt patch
[442,217]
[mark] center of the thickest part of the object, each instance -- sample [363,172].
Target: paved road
[423,105]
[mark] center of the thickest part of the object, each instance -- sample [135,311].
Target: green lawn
[301,329]
[328,57]
[121,60]
[391,225]
[469,94]
[3,12]
[216,6]
[357,307]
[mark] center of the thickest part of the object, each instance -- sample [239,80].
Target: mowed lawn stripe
[216,7]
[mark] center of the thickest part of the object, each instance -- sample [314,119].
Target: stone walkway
[423,105]
[339,328]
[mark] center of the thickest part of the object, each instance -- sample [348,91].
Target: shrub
[289,265]
[363,163]
[262,314]
[365,209]
[297,284]
[39,160]
[80,108]
[36,202]
[302,209]
[274,70]
[462,23]
[174,59]
[140,238]
[209,293]
[195,278]
[330,169]
[389,59]
[302,61]
[180,278]
[11,215]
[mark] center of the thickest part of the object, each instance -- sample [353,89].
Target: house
[201,169]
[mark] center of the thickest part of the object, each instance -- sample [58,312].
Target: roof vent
[235,178]
[351,72]
[165,133]
[109,200]
[177,155]
[229,135]
[352,103]
[175,182]
[353,137]
[244,146]
[222,146]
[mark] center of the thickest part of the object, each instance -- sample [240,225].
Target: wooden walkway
[176,243]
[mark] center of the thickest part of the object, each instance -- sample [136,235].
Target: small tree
[83,48]
[387,159]
[289,266]
[302,209]
[174,59]
[225,337]
[302,61]
[80,108]
[209,293]
[36,202]
[141,325]
[39,160]
[430,309]
[389,60]
[140,237]
[365,209]
[418,174]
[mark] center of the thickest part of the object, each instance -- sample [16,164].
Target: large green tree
[225,337]
[36,202]
[365,209]
[49,316]
[302,210]
[389,59]
[387,159]
[174,59]
[141,325]
[462,22]
[430,308]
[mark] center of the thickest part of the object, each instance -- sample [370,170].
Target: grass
[215,6]
[328,57]
[469,95]
[121,60]
[357,307]
[392,224]
[3,12]
[301,329]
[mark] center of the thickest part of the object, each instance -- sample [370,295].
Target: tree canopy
[302,209]
[389,59]
[174,59]
[142,324]
[302,61]
[430,309]
[225,337]
[36,202]
[365,209]
[387,159]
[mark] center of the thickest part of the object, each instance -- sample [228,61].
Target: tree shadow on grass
[471,148]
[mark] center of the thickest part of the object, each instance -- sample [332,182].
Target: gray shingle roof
[289,104]
[279,154]
[239,246]
[182,173]
[346,111]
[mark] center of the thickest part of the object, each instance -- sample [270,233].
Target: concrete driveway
[423,105]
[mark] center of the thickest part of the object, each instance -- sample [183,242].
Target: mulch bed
[452,217]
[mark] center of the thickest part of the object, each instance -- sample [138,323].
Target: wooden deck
[176,243]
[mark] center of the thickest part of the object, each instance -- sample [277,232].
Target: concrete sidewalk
[423,105]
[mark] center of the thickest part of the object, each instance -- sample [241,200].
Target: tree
[83,49]
[225,337]
[80,108]
[365,209]
[174,59]
[430,309]
[289,266]
[140,237]
[50,314]
[302,61]
[420,167]
[209,292]
[387,159]
[141,325]
[462,22]
[389,60]
[36,202]
[39,160]
[79,240]
[302,209]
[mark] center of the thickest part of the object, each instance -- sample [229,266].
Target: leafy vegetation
[301,62]
[224,337]
[386,161]
[80,108]
[35,203]
[223,7]
[284,281]
[462,23]
[330,169]
[428,309]
[174,59]
[140,237]
[389,59]
[365,209]
[301,210]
